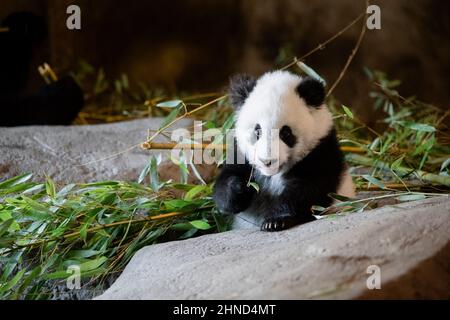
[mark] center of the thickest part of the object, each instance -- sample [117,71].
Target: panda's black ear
[240,87]
[312,91]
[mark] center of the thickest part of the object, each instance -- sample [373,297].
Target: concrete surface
[325,259]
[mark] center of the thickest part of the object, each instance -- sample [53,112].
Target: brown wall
[197,44]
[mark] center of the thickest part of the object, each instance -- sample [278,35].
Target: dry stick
[352,55]
[391,186]
[321,46]
[423,175]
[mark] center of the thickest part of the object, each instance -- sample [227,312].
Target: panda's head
[280,118]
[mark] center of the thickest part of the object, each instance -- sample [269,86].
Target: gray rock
[71,153]
[325,259]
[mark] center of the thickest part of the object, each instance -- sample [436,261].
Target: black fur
[307,183]
[312,91]
[287,136]
[240,87]
[231,193]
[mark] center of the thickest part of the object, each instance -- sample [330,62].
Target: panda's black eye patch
[258,131]
[287,136]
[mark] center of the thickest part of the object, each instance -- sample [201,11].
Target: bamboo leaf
[201,225]
[411,197]
[254,185]
[195,191]
[4,226]
[15,181]
[348,112]
[171,117]
[50,188]
[311,72]
[418,126]
[374,181]
[169,104]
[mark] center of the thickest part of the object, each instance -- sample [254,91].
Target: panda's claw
[276,224]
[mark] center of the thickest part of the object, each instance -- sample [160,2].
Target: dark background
[195,45]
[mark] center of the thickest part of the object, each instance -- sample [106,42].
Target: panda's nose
[267,162]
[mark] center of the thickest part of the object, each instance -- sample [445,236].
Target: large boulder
[325,259]
[78,153]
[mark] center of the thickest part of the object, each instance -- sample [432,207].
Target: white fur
[275,185]
[272,104]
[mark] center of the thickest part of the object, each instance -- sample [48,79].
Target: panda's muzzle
[268,162]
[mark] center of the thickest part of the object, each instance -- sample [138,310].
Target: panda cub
[286,133]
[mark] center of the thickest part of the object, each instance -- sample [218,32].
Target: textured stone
[72,153]
[325,259]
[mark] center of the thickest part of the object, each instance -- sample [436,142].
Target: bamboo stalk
[423,175]
[391,186]
[172,145]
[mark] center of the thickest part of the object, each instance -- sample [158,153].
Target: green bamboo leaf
[93,264]
[50,188]
[374,181]
[189,233]
[444,165]
[100,184]
[397,163]
[6,215]
[169,104]
[195,191]
[200,224]
[418,126]
[338,197]
[170,118]
[348,112]
[4,226]
[229,122]
[176,204]
[13,282]
[311,72]
[27,281]
[254,185]
[40,209]
[16,180]
[182,226]
[75,254]
[145,171]
[411,197]
[154,176]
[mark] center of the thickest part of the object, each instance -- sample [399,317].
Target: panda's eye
[287,136]
[258,131]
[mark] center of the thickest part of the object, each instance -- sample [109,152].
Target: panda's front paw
[236,185]
[232,195]
[272,224]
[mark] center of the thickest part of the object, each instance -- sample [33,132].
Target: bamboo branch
[352,55]
[173,145]
[321,46]
[391,186]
